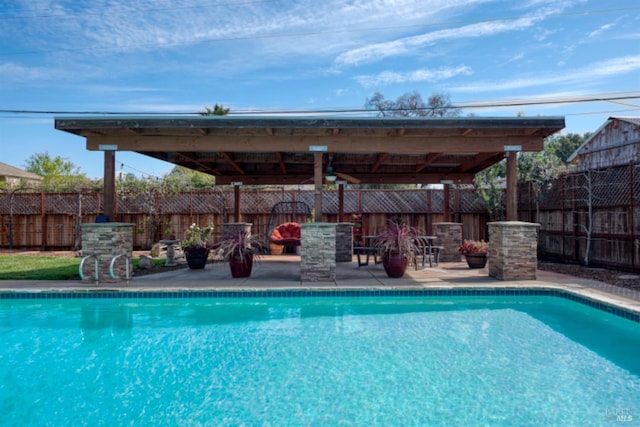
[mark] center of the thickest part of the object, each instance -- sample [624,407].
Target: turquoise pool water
[355,361]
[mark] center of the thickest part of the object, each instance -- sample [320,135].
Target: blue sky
[178,56]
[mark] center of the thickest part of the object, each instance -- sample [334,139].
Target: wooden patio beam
[283,167]
[357,145]
[475,160]
[234,164]
[297,179]
[381,158]
[431,157]
[205,168]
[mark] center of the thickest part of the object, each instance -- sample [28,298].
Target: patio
[282,272]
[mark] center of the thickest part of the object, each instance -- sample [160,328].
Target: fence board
[156,215]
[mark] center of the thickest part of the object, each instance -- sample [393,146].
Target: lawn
[28,267]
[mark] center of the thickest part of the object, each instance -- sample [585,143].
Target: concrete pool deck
[282,272]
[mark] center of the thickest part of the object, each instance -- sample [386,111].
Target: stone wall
[344,242]
[449,236]
[513,250]
[106,240]
[318,252]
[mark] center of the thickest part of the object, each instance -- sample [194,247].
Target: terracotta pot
[476,260]
[276,249]
[197,260]
[394,264]
[241,265]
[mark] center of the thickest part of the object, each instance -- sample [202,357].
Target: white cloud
[604,69]
[14,72]
[421,75]
[600,30]
[402,46]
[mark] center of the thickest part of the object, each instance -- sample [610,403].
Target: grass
[21,267]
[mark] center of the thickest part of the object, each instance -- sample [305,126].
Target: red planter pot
[394,264]
[476,260]
[241,265]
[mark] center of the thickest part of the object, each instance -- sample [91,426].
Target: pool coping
[613,304]
[280,275]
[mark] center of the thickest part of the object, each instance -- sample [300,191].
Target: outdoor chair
[287,234]
[427,252]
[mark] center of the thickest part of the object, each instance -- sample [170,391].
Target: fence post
[631,221]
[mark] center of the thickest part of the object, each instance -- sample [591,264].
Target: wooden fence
[594,217]
[51,221]
[591,216]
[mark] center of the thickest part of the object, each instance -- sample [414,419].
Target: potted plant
[397,245]
[169,234]
[240,249]
[475,252]
[195,245]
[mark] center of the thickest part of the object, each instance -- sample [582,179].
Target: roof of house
[13,172]
[629,119]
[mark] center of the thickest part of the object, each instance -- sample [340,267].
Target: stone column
[449,238]
[513,247]
[318,247]
[344,242]
[106,240]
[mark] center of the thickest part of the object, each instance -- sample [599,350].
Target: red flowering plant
[472,247]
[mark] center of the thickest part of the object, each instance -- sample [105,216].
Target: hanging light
[330,175]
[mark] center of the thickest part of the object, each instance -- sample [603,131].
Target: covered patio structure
[296,150]
[278,150]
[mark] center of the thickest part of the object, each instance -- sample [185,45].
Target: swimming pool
[110,359]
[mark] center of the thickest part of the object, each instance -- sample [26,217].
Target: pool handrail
[95,256]
[112,263]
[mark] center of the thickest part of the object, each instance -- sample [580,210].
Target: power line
[615,98]
[150,175]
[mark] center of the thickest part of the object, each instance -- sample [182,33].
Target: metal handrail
[112,263]
[96,267]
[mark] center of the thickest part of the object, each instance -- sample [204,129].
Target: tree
[539,169]
[563,146]
[182,179]
[411,104]
[46,166]
[218,110]
[489,186]
[58,174]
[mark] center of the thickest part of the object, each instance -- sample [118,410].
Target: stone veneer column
[344,242]
[106,240]
[318,251]
[450,238]
[513,250]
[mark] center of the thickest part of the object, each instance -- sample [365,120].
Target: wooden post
[236,206]
[317,181]
[340,202]
[109,184]
[447,209]
[512,186]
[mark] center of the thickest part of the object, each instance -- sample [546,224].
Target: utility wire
[615,98]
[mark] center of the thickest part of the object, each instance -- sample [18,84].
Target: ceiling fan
[331,175]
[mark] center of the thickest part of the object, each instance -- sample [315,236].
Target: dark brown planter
[394,264]
[476,260]
[241,265]
[196,260]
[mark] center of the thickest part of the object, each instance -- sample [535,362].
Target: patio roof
[276,150]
